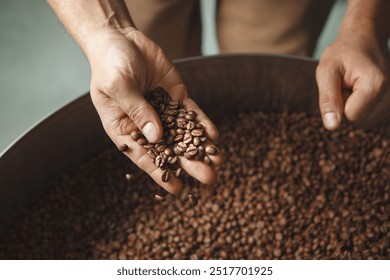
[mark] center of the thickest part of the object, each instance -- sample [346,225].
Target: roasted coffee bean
[153,153]
[191,115]
[190,125]
[160,147]
[181,122]
[187,138]
[142,141]
[128,176]
[197,141]
[211,150]
[197,132]
[159,198]
[203,139]
[180,131]
[172,159]
[123,148]
[193,199]
[290,189]
[159,161]
[165,176]
[174,104]
[135,135]
[192,151]
[178,138]
[168,151]
[182,145]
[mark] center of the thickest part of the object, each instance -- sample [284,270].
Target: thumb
[331,103]
[141,112]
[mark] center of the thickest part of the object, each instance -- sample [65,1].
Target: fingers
[210,128]
[130,100]
[329,81]
[364,99]
[139,156]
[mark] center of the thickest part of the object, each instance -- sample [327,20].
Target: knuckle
[137,111]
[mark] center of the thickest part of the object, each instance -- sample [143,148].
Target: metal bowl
[228,83]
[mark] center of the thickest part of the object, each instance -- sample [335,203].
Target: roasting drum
[229,83]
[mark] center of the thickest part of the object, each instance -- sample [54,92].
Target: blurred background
[42,69]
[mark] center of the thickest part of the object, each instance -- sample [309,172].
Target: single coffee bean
[197,132]
[211,150]
[142,141]
[174,104]
[190,125]
[192,151]
[165,176]
[161,107]
[153,153]
[193,199]
[128,176]
[135,135]
[187,138]
[159,198]
[181,122]
[172,159]
[172,132]
[180,131]
[168,151]
[203,139]
[159,161]
[123,148]
[160,147]
[178,137]
[197,142]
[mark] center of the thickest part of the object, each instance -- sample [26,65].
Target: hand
[124,67]
[353,81]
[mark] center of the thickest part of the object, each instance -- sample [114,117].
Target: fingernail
[150,132]
[330,120]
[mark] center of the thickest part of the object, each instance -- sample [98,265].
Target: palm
[127,70]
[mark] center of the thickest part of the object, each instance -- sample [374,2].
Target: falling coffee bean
[128,176]
[159,198]
[193,199]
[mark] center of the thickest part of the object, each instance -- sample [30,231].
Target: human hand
[124,68]
[353,81]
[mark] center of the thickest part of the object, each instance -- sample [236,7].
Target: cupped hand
[124,67]
[353,81]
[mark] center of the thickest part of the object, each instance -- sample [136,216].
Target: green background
[41,68]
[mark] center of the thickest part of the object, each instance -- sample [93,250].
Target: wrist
[366,20]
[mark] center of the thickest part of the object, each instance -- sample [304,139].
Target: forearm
[367,18]
[85,18]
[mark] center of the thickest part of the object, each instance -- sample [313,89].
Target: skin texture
[352,76]
[353,73]
[125,64]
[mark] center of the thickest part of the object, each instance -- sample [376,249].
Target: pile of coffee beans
[288,189]
[183,135]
